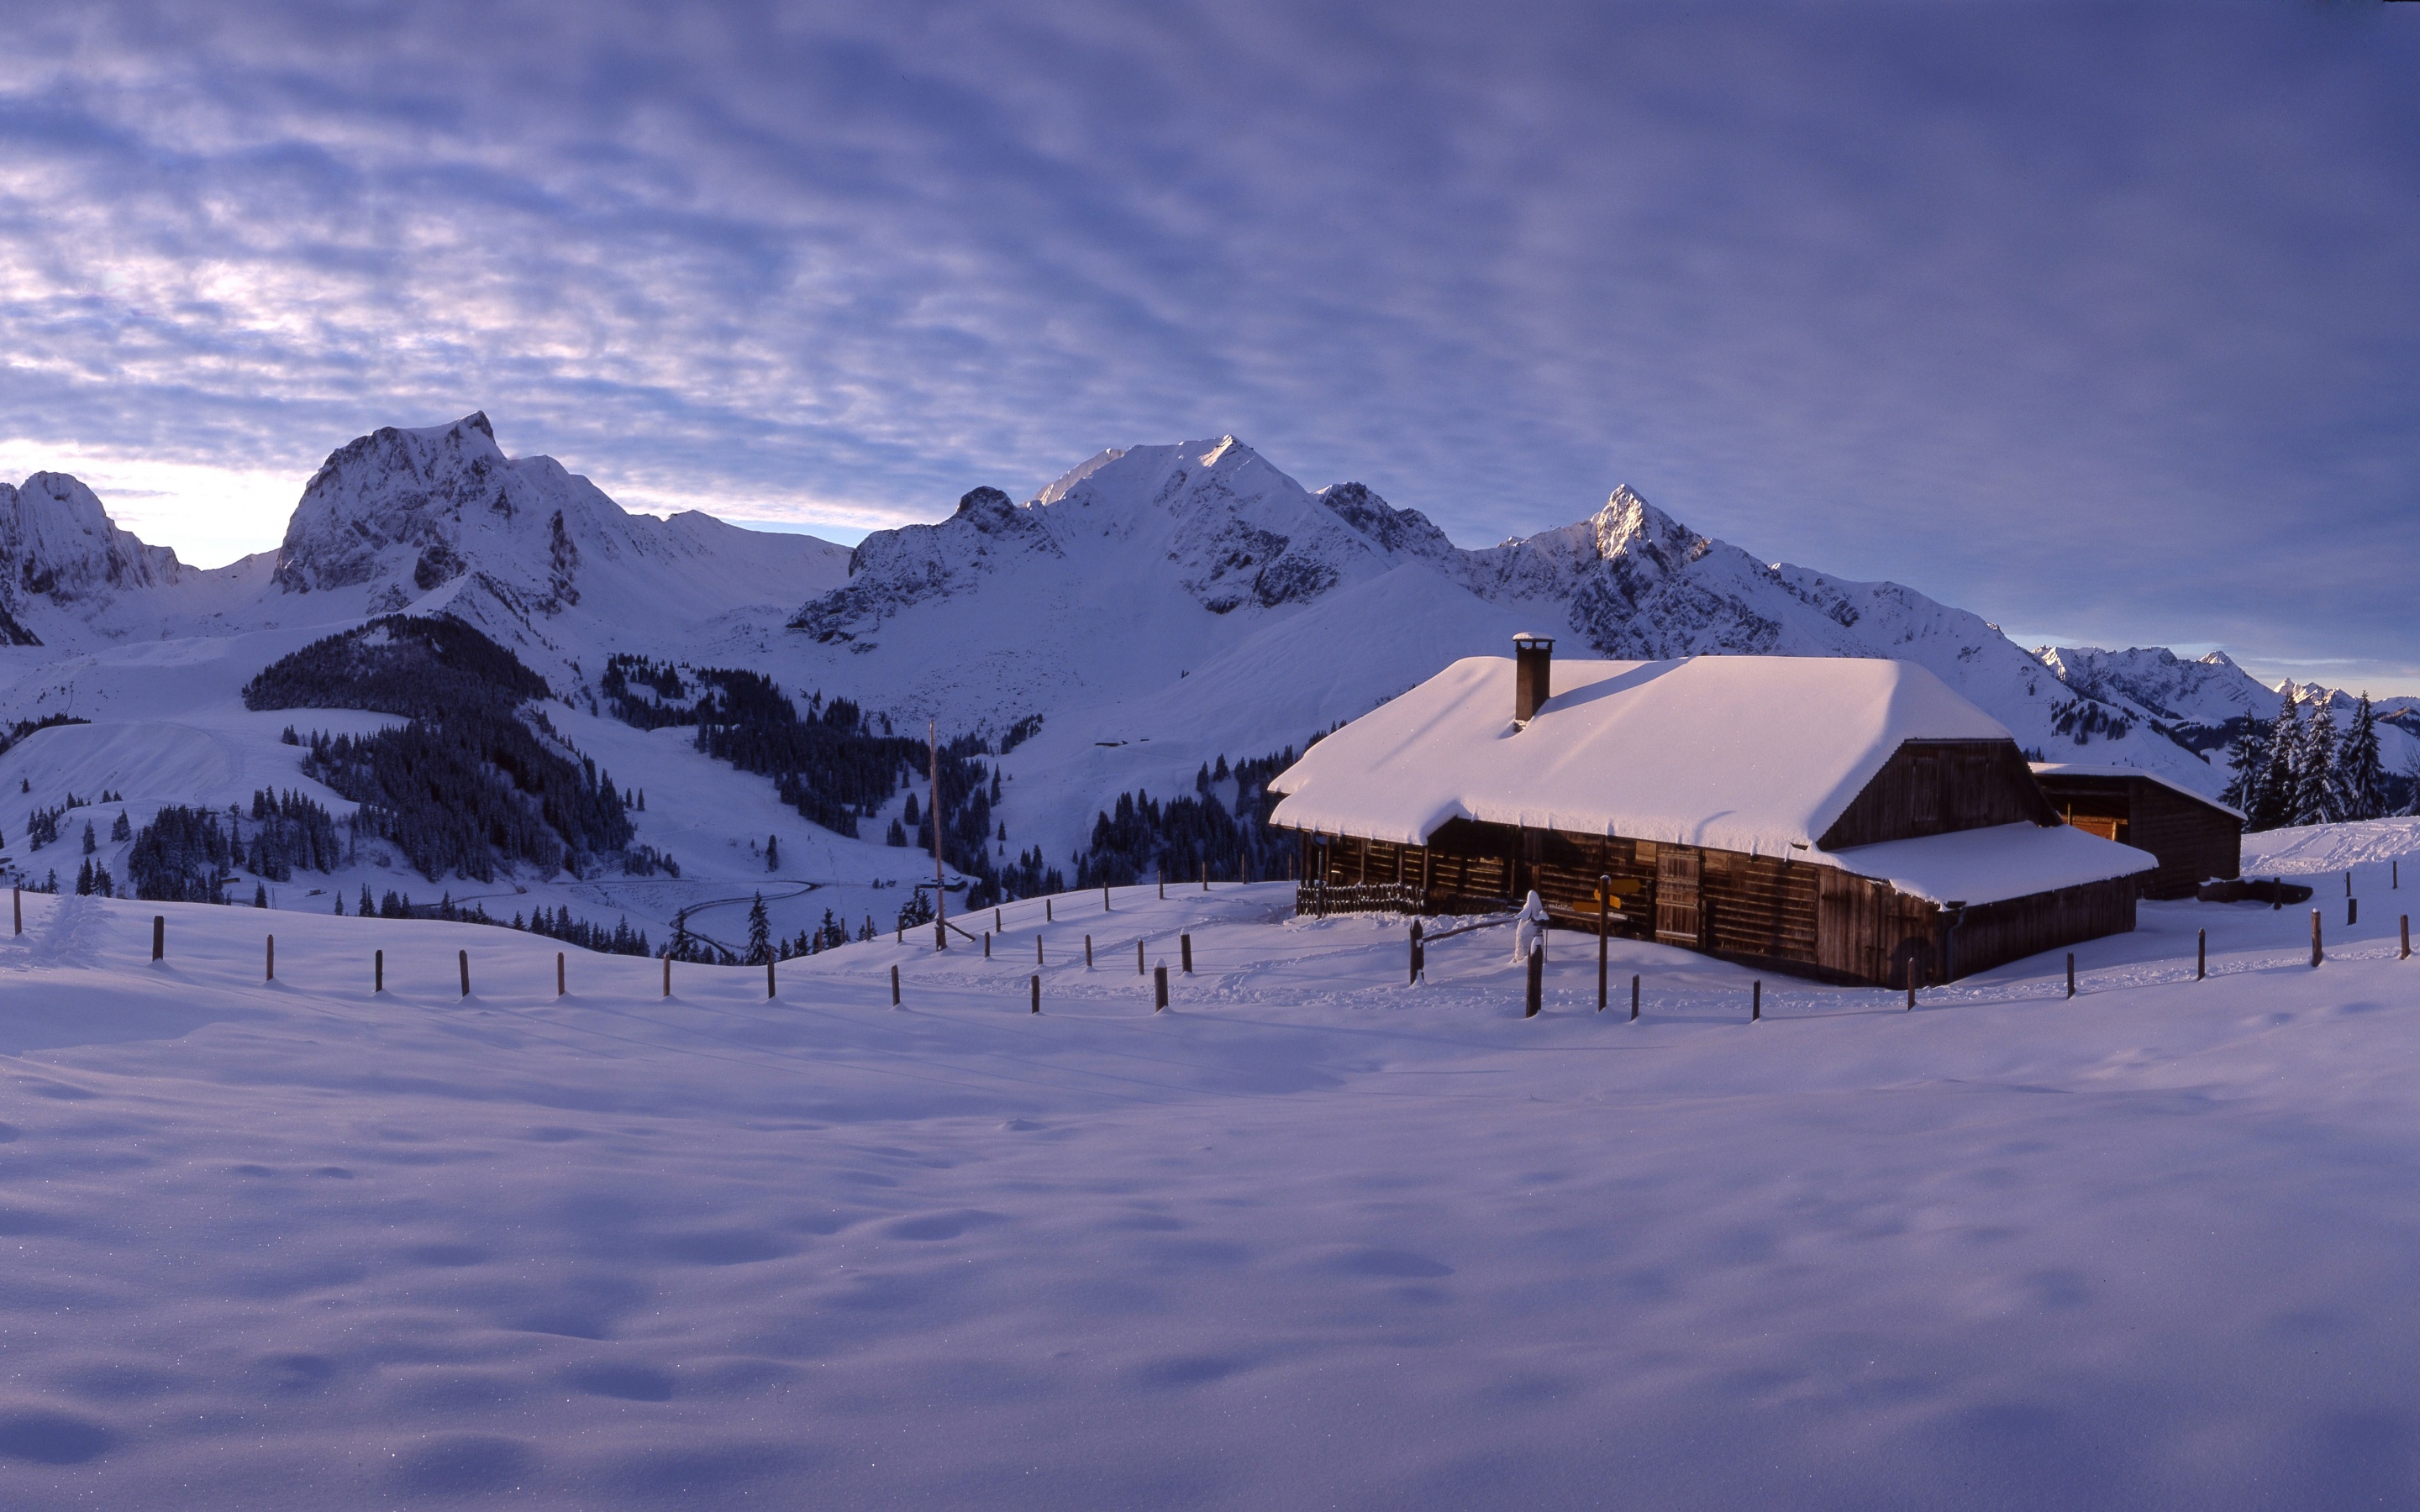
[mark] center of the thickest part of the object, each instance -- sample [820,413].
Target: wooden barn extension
[1865,898]
[2198,840]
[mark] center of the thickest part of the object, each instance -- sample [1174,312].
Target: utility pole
[940,899]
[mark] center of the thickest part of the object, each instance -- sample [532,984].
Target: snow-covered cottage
[2196,839]
[1843,818]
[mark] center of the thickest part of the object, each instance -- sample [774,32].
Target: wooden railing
[1317,899]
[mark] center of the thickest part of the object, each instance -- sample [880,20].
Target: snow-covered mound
[2303,849]
[1310,1238]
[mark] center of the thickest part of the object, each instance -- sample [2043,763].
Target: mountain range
[1154,608]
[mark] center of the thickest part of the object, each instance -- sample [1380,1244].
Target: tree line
[2299,771]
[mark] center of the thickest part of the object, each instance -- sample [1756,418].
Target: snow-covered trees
[2247,790]
[2361,778]
[2317,799]
[772,853]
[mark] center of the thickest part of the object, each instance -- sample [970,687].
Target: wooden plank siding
[1931,787]
[2194,841]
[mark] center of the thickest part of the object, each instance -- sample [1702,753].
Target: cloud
[2103,318]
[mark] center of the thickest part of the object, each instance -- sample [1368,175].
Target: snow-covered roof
[2079,769]
[1986,866]
[1759,754]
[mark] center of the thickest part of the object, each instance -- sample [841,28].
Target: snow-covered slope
[1309,1238]
[58,545]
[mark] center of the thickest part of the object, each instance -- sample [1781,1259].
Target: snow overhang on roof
[1988,866]
[1759,754]
[2078,769]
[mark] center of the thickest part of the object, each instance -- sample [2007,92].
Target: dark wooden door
[1679,920]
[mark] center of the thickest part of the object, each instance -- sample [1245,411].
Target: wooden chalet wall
[1931,787]
[2194,841]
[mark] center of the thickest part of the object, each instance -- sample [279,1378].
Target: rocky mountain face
[58,545]
[441,520]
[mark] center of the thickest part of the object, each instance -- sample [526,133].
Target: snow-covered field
[1311,1238]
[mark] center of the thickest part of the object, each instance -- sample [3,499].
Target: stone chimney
[1533,669]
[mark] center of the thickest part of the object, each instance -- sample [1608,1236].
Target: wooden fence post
[668,976]
[1415,958]
[2317,953]
[1159,988]
[894,986]
[2071,972]
[1037,950]
[1537,995]
[1205,876]
[1603,930]
[377,971]
[17,906]
[1105,897]
[1185,952]
[1634,998]
[986,945]
[2407,939]
[1088,953]
[269,971]
[996,928]
[1756,1001]
[2201,954]
[1162,878]
[159,936]
[464,956]
[1047,917]
[768,982]
[2353,912]
[1034,985]
[1139,965]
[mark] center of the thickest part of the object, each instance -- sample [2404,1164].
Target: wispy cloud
[2096,318]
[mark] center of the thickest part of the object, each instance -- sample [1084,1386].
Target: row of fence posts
[1533,1004]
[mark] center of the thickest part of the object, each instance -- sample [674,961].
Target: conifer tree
[90,845]
[2361,780]
[261,895]
[121,829]
[83,878]
[2316,782]
[2247,758]
[340,903]
[772,853]
[2279,796]
[760,934]
[366,908]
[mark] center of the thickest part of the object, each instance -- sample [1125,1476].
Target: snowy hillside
[1310,1239]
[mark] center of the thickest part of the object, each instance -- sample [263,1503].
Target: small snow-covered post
[1603,930]
[1414,955]
[2201,954]
[1537,995]
[464,957]
[377,971]
[1185,952]
[1634,998]
[1756,1001]
[159,936]
[269,972]
[2317,954]
[894,986]
[558,973]
[1088,953]
[668,976]
[2070,964]
[768,982]
[1034,985]
[1159,989]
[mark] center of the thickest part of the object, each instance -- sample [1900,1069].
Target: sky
[2102,321]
